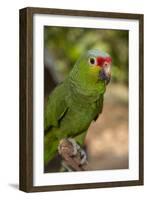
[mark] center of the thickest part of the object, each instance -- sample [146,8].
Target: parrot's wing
[100,106]
[56,107]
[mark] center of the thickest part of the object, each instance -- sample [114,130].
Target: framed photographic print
[81,99]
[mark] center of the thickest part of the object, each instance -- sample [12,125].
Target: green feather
[73,105]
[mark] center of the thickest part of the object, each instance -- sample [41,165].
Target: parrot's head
[92,71]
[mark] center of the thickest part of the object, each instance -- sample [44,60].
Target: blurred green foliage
[66,44]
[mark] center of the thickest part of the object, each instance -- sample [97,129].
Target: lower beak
[107,69]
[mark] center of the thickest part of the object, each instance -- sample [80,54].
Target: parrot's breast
[78,119]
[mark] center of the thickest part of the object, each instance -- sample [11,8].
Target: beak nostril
[106,64]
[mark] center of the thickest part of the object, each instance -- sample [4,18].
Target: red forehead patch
[101,60]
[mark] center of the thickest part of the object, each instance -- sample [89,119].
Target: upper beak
[107,70]
[105,73]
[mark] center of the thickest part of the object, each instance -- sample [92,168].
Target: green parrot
[78,100]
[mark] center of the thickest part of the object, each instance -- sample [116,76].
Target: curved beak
[105,73]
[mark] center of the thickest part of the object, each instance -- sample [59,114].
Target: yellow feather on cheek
[95,69]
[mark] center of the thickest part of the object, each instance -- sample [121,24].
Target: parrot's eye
[92,61]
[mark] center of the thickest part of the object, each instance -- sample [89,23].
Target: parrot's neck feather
[80,94]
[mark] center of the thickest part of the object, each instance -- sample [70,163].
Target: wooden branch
[72,155]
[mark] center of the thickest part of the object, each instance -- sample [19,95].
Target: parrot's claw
[83,157]
[76,147]
[74,157]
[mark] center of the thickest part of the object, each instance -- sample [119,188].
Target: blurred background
[107,138]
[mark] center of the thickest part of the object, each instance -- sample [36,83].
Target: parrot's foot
[74,157]
[77,149]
